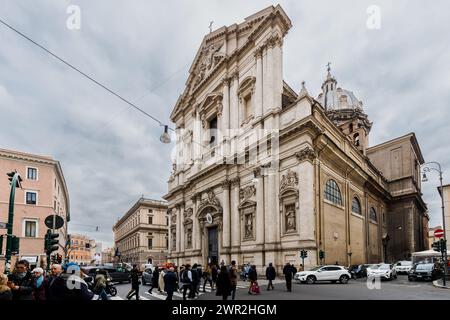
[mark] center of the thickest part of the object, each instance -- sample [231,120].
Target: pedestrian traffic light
[436,246]
[15,245]
[321,254]
[51,241]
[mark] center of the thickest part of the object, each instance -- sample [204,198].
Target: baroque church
[262,172]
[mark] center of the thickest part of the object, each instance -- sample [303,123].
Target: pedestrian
[155,278]
[161,280]
[100,285]
[21,281]
[58,289]
[252,277]
[214,273]
[195,281]
[223,283]
[200,275]
[186,280]
[234,279]
[5,291]
[287,271]
[40,284]
[134,283]
[270,275]
[207,278]
[170,283]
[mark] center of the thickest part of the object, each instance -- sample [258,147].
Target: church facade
[262,172]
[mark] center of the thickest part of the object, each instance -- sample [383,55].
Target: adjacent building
[108,255]
[141,235]
[262,171]
[44,192]
[445,193]
[80,249]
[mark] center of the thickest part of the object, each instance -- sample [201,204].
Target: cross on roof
[329,67]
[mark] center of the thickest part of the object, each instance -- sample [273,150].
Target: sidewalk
[438,284]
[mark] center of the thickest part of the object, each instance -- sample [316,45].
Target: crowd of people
[26,284]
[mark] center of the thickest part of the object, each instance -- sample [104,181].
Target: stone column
[178,225]
[226,215]
[278,72]
[260,207]
[226,106]
[234,108]
[182,233]
[269,83]
[197,135]
[235,220]
[305,171]
[273,210]
[195,225]
[258,86]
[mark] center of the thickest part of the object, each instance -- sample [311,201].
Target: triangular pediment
[222,44]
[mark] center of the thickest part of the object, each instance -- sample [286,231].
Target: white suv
[403,266]
[323,273]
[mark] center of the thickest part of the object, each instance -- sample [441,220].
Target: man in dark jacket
[270,275]
[134,283]
[195,282]
[287,271]
[170,283]
[155,277]
[21,281]
[64,286]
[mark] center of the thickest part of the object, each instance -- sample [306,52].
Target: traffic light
[322,254]
[15,245]
[436,246]
[88,245]
[11,177]
[303,254]
[443,245]
[51,242]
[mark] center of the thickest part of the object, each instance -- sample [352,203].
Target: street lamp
[165,138]
[425,179]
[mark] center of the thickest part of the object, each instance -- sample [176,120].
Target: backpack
[185,277]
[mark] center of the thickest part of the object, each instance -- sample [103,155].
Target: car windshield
[384,267]
[424,266]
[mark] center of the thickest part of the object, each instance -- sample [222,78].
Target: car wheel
[113,291]
[343,279]
[310,280]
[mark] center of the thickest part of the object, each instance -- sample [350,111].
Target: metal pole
[443,225]
[10,224]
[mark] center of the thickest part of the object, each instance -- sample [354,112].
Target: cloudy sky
[111,154]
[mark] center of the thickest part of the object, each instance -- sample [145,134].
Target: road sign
[438,233]
[59,222]
[3,225]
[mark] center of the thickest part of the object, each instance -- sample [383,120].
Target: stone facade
[142,233]
[44,192]
[262,172]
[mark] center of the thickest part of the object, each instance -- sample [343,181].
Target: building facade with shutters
[141,235]
[262,172]
[44,192]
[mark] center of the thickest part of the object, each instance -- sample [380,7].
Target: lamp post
[425,179]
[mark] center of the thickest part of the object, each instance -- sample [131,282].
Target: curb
[437,285]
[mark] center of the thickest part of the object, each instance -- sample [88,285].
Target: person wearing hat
[40,284]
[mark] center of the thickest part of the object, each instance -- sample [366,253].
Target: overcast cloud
[111,154]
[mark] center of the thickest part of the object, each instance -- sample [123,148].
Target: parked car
[147,276]
[117,274]
[323,273]
[383,270]
[424,271]
[403,266]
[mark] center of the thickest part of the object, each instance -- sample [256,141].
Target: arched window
[373,214]
[356,206]
[356,139]
[332,192]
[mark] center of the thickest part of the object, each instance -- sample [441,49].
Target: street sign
[438,233]
[59,222]
[3,225]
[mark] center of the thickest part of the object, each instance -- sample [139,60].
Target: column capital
[307,153]
[225,184]
[235,182]
[258,52]
[226,81]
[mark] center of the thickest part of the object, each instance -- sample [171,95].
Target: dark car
[359,271]
[424,271]
[117,274]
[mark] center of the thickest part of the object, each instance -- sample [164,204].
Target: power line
[83,74]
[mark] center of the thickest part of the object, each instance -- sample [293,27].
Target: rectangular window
[213,131]
[150,211]
[150,243]
[31,197]
[150,219]
[30,229]
[32,174]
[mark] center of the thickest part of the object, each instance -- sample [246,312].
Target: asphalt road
[398,289]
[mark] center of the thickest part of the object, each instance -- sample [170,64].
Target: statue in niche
[290,218]
[248,226]
[189,238]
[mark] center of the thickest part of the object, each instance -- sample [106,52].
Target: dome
[334,98]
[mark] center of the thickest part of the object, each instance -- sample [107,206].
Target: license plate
[419,276]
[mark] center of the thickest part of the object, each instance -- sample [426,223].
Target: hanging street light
[165,138]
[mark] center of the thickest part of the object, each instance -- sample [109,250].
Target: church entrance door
[213,245]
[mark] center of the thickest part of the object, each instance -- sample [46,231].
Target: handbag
[255,288]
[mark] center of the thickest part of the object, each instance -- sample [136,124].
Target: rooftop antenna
[210,26]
